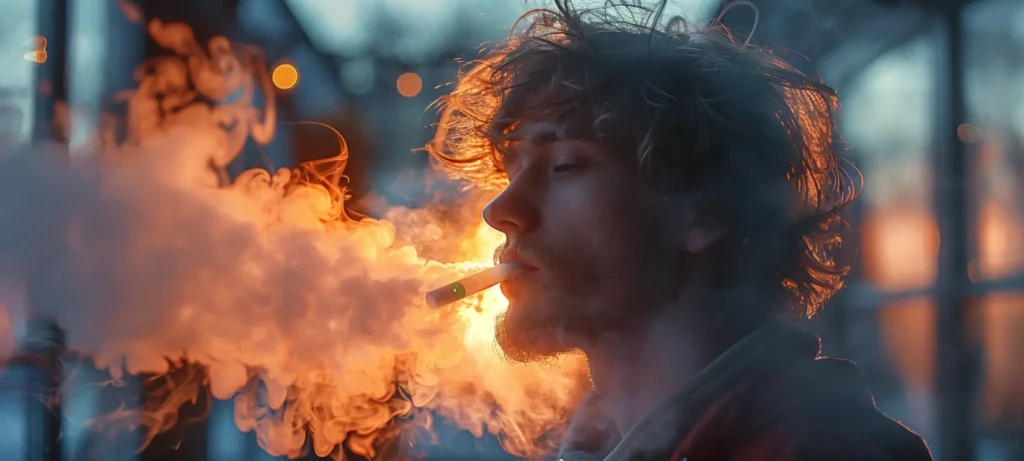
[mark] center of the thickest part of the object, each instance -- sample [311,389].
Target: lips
[521,272]
[518,281]
[515,254]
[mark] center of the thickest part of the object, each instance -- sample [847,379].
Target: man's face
[593,235]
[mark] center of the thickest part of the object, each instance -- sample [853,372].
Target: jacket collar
[654,437]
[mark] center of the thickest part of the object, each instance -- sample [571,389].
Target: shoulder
[822,409]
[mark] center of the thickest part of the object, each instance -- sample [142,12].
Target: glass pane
[1001,318]
[995,137]
[907,330]
[17,51]
[87,67]
[888,117]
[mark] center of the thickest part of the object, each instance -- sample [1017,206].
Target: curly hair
[744,136]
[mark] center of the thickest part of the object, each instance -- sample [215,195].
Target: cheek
[607,210]
[610,245]
[619,223]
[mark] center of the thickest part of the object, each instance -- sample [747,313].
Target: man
[672,194]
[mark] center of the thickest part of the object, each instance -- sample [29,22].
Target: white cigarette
[471,285]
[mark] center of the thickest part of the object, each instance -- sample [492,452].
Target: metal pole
[44,347]
[46,339]
[954,370]
[51,79]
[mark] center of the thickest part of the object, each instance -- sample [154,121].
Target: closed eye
[567,167]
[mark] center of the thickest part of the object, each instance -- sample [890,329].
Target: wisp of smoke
[140,253]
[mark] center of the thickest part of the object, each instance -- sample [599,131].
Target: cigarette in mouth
[471,285]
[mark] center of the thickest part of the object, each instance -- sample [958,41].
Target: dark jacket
[771,397]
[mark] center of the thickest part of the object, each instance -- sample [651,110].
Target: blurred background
[933,114]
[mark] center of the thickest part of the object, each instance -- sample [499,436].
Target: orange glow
[1000,224]
[38,53]
[967,133]
[900,251]
[1000,249]
[908,334]
[1000,254]
[131,11]
[409,84]
[285,76]
[1002,320]
[311,321]
[900,248]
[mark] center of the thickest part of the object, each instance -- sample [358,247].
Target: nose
[514,211]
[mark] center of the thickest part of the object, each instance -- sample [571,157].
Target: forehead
[528,139]
[522,138]
[532,133]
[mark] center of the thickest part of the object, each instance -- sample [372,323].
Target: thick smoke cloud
[140,260]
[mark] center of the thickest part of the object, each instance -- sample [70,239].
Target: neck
[635,371]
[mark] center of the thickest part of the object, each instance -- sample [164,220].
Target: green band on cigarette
[471,285]
[448,294]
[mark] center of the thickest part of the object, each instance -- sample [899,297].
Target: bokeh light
[409,84]
[285,76]
[38,53]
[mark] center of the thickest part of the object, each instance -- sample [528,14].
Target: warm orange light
[409,84]
[1000,248]
[900,247]
[38,54]
[967,133]
[285,76]
[347,344]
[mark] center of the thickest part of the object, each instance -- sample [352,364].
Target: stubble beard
[548,329]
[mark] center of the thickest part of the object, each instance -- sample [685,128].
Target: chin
[534,330]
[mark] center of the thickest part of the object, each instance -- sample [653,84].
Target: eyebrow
[539,137]
[546,135]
